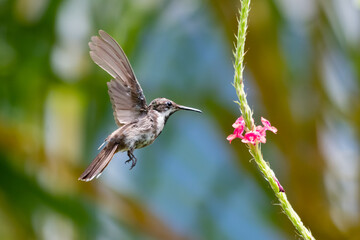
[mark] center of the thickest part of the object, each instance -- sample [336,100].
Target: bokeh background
[302,73]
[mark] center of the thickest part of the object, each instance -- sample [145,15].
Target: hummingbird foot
[132,158]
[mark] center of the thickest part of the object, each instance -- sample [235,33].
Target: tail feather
[102,145]
[100,162]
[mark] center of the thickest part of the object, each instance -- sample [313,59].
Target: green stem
[246,112]
[239,66]
[269,175]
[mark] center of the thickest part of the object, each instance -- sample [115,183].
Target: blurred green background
[302,73]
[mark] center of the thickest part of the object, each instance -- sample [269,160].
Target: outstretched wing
[127,98]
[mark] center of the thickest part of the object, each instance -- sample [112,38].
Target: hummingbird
[139,124]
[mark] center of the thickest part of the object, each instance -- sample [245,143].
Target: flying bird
[139,124]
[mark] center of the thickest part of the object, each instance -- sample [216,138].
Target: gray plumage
[139,124]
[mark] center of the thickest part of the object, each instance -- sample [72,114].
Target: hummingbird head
[167,107]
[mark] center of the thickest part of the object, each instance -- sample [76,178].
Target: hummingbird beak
[189,109]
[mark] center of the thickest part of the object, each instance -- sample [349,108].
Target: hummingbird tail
[98,165]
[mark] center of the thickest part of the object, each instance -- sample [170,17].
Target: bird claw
[132,158]
[132,165]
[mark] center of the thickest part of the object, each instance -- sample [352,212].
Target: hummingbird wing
[127,97]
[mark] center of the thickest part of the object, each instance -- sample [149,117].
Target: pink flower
[252,137]
[262,132]
[268,126]
[239,123]
[255,136]
[239,126]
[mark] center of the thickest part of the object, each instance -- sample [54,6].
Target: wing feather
[126,96]
[119,52]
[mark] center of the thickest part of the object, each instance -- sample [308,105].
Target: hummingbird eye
[169,104]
